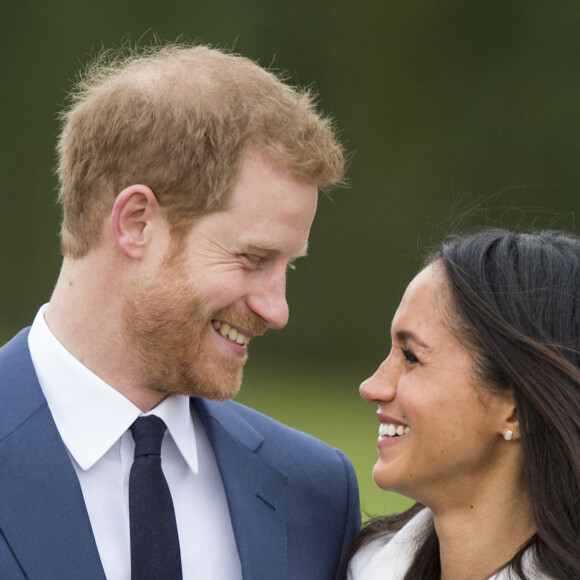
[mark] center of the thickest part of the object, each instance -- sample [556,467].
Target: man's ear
[134,210]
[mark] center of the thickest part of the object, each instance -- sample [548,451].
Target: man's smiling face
[191,320]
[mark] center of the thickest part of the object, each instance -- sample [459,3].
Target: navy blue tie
[155,553]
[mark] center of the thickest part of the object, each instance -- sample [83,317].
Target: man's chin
[223,394]
[215,388]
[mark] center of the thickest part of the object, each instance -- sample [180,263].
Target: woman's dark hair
[515,300]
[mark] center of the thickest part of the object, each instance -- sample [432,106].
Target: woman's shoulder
[529,567]
[389,557]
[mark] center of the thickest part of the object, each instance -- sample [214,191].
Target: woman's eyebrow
[405,335]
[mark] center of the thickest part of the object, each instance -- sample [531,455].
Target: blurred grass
[324,402]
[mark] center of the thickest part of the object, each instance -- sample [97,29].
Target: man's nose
[269,300]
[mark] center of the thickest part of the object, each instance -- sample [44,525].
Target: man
[188,187]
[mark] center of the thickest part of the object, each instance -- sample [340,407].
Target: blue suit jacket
[293,501]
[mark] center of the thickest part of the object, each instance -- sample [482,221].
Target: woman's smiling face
[439,432]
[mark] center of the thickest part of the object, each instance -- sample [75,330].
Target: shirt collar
[91,416]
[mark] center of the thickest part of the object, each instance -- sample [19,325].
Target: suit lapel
[256,491]
[42,512]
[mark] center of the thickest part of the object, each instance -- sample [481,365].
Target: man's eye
[252,259]
[409,356]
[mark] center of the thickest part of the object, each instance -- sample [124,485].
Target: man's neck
[85,316]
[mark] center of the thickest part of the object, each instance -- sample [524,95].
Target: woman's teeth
[230,333]
[392,430]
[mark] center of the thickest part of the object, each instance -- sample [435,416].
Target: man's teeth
[392,430]
[228,332]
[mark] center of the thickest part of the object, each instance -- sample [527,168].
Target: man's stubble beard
[165,323]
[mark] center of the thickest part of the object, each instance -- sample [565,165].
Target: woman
[479,412]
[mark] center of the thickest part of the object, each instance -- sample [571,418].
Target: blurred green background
[448,108]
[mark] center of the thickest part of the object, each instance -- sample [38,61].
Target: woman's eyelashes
[409,355]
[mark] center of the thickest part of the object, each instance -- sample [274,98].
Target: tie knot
[148,433]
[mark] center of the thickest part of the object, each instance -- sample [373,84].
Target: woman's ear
[510,427]
[134,210]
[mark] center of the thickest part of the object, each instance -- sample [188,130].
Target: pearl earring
[508,435]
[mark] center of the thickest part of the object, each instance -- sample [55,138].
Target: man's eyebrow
[405,335]
[271,249]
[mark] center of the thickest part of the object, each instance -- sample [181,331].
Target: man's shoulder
[20,393]
[15,361]
[278,440]
[15,352]
[261,422]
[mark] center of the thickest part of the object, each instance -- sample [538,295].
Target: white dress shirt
[93,420]
[390,557]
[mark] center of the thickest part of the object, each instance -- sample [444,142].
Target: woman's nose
[381,386]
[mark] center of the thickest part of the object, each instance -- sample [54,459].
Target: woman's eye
[409,356]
